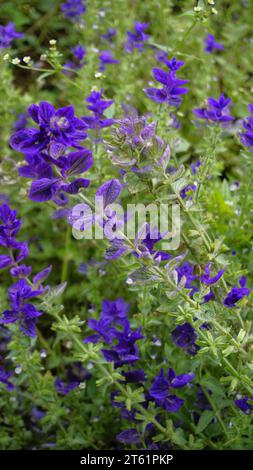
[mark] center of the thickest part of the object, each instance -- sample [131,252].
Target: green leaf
[204,420]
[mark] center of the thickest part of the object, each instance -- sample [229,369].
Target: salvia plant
[112,338]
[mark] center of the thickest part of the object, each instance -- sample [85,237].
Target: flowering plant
[125,227]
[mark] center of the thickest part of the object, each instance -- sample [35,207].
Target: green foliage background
[82,419]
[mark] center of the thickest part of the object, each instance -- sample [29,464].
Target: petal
[109,191]
[43,189]
[161,76]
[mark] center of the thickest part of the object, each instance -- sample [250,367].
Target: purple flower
[113,326]
[172,88]
[4,378]
[64,388]
[246,138]
[97,106]
[185,336]
[114,313]
[109,191]
[186,272]
[8,34]
[79,52]
[75,375]
[207,279]
[147,245]
[78,55]
[115,310]
[195,167]
[129,436]
[125,351]
[236,293]
[57,130]
[40,277]
[9,225]
[139,135]
[137,39]
[22,311]
[109,36]
[104,331]
[161,388]
[46,151]
[244,405]
[211,45]
[217,111]
[188,190]
[106,57]
[208,297]
[72,9]
[21,271]
[161,55]
[174,64]
[134,376]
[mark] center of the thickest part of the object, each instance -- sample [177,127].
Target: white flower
[15,61]
[26,59]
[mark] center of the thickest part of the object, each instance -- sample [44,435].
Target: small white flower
[211,2]
[52,42]
[82,385]
[27,59]
[43,57]
[98,75]
[18,370]
[214,11]
[6,57]
[197,9]
[15,61]
[43,354]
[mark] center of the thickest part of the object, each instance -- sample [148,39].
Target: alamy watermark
[135,221]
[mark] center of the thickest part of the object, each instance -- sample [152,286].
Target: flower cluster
[135,144]
[162,387]
[46,149]
[113,325]
[22,291]
[172,87]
